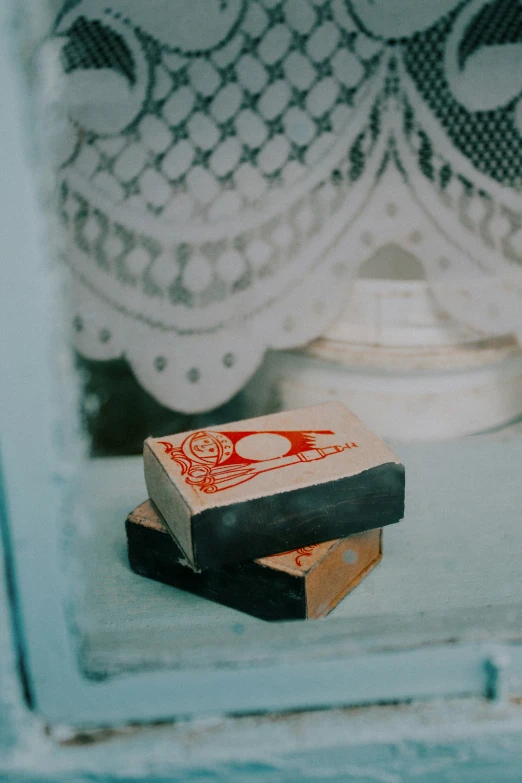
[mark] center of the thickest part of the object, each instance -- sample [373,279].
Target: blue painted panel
[39,473]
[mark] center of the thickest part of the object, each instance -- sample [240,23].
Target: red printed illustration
[214,461]
[304,551]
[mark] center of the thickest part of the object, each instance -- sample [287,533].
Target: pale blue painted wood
[463,740]
[10,691]
[335,678]
[480,744]
[38,479]
[466,740]
[28,407]
[448,572]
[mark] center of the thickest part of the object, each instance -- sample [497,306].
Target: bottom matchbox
[302,584]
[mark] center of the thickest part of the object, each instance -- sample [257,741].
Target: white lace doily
[227,165]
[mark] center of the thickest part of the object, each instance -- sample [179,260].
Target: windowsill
[450,571]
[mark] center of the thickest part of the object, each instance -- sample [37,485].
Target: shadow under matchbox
[257,487]
[303,584]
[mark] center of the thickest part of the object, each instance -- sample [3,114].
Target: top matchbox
[262,486]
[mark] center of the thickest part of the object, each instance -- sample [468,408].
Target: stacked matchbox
[279,516]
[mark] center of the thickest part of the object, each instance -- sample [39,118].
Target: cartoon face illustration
[207,447]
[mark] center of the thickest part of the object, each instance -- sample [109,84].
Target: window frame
[40,454]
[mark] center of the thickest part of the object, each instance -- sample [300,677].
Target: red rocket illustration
[214,461]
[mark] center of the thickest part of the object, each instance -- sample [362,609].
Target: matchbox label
[299,554]
[214,461]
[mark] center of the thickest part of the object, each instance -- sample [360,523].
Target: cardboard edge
[150,454]
[358,579]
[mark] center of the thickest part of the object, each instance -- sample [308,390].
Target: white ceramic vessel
[406,368]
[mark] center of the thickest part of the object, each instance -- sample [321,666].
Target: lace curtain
[223,167]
